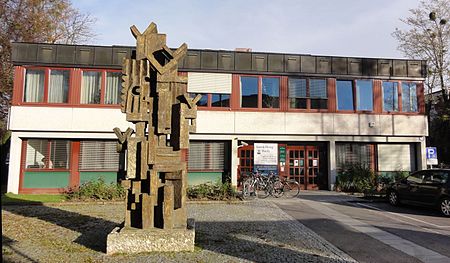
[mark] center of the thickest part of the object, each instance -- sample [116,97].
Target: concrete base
[133,240]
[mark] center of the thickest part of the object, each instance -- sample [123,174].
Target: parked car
[426,187]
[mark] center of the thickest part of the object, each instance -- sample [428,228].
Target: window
[409,97]
[113,87]
[91,87]
[297,93]
[318,93]
[252,87]
[98,155]
[364,95]
[416,177]
[307,93]
[47,154]
[34,85]
[206,156]
[203,102]
[249,92]
[220,100]
[270,92]
[390,96]
[96,91]
[344,93]
[56,91]
[353,153]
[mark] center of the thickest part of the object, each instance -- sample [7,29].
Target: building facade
[300,116]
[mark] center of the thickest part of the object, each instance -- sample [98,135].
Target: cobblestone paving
[255,231]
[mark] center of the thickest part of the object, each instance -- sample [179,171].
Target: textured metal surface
[222,61]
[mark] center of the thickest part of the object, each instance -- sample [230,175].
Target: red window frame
[259,108]
[103,73]
[48,157]
[47,71]
[308,97]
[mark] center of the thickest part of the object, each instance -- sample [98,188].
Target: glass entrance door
[303,165]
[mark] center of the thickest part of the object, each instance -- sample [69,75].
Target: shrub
[212,191]
[97,190]
[356,178]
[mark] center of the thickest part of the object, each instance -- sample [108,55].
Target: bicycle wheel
[248,189]
[263,189]
[291,189]
[277,189]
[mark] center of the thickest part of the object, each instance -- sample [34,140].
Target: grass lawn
[10,198]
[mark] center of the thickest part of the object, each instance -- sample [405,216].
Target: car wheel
[393,198]
[445,206]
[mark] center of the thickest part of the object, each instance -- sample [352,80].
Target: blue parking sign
[431,153]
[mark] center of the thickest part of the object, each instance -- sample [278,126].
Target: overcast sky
[359,28]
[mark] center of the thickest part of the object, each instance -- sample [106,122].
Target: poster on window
[266,154]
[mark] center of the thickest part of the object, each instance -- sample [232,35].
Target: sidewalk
[255,231]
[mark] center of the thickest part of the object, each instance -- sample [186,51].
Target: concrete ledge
[133,240]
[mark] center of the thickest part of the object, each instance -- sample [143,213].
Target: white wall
[310,123]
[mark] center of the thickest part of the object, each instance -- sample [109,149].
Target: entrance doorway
[302,165]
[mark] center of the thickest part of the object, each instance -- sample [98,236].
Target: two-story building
[302,116]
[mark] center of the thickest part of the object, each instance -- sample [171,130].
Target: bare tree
[51,21]
[427,37]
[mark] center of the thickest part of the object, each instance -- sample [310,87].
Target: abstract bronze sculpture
[154,98]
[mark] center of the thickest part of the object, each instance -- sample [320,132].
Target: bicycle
[286,187]
[256,185]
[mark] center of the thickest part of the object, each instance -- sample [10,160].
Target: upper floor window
[409,97]
[95,91]
[364,95]
[46,85]
[47,154]
[390,96]
[344,95]
[215,88]
[252,87]
[307,93]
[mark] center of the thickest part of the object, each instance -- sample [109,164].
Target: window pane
[220,100]
[249,92]
[113,87]
[90,87]
[297,93]
[390,96]
[58,90]
[344,92]
[207,156]
[59,154]
[36,152]
[318,88]
[364,94]
[270,92]
[353,153]
[319,104]
[203,101]
[98,155]
[409,97]
[34,85]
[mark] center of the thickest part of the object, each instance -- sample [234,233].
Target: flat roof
[223,61]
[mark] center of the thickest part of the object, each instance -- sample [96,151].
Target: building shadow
[93,231]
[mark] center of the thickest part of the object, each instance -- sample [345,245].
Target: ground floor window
[206,156]
[98,155]
[47,154]
[354,153]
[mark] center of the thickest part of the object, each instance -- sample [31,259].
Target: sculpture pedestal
[133,240]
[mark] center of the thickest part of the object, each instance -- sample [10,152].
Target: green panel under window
[109,177]
[46,179]
[195,178]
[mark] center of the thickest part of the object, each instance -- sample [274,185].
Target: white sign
[431,153]
[266,154]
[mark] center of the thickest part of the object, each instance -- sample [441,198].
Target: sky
[356,28]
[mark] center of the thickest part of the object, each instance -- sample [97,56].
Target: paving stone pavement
[254,231]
